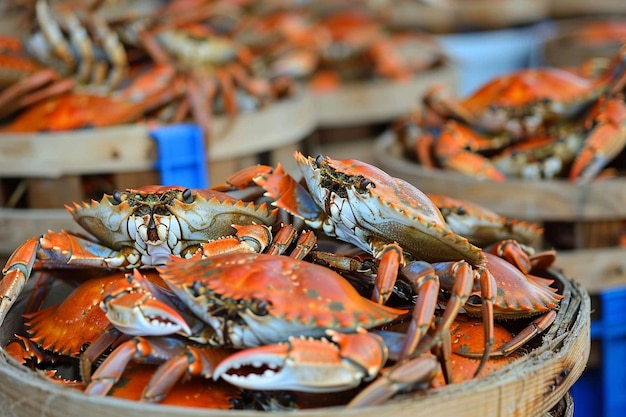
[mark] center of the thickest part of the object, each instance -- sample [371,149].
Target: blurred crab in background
[533,123]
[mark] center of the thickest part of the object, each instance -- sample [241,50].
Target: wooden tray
[531,386]
[462,15]
[535,201]
[377,101]
[570,8]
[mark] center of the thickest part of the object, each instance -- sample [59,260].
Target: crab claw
[306,364]
[606,140]
[137,312]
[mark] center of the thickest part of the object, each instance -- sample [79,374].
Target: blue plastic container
[602,392]
[181,155]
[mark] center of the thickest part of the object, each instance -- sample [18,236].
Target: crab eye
[319,159]
[260,307]
[365,182]
[118,197]
[187,196]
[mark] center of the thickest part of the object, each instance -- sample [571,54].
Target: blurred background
[112,94]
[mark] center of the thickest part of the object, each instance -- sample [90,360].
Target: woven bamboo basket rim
[376,101]
[531,386]
[129,148]
[564,408]
[552,200]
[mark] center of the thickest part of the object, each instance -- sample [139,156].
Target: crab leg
[536,327]
[53,34]
[290,196]
[391,259]
[156,351]
[455,149]
[46,251]
[423,277]
[606,140]
[514,252]
[247,239]
[401,376]
[197,361]
[310,365]
[201,92]
[461,275]
[488,290]
[32,88]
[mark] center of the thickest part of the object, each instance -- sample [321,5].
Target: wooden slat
[569,8]
[597,269]
[476,14]
[18,225]
[124,180]
[54,193]
[360,104]
[129,148]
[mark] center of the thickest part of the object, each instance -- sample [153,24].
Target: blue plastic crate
[181,155]
[601,392]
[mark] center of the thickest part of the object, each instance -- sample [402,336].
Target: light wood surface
[570,8]
[457,15]
[129,148]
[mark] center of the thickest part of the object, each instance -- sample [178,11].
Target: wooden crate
[529,387]
[584,222]
[41,172]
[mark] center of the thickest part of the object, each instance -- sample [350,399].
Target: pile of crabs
[168,61]
[347,287]
[539,123]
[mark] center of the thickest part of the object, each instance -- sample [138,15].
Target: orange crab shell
[519,295]
[392,207]
[530,85]
[468,336]
[197,392]
[66,327]
[296,291]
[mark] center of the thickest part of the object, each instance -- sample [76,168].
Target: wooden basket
[531,386]
[585,222]
[54,166]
